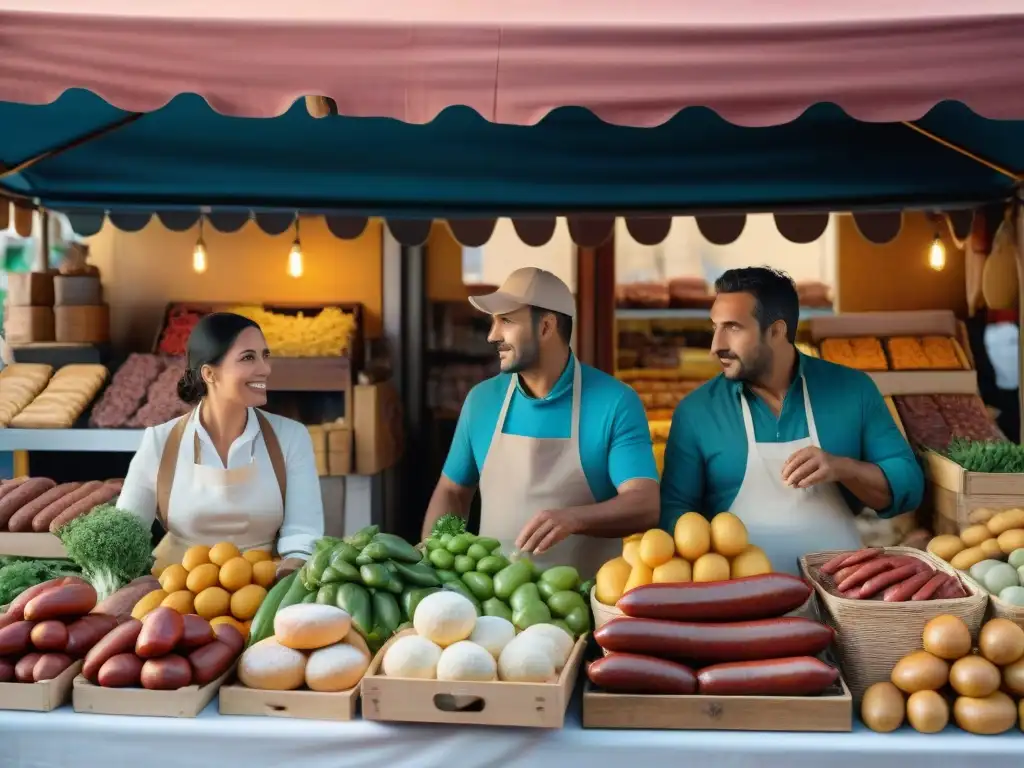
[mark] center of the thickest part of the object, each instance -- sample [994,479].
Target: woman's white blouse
[303,507]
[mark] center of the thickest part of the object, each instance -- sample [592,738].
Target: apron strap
[577,397]
[500,426]
[748,422]
[275,454]
[168,467]
[812,428]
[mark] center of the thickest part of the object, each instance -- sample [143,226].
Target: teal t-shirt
[706,452]
[615,441]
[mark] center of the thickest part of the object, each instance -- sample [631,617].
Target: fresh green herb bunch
[987,456]
[19,573]
[450,523]
[111,545]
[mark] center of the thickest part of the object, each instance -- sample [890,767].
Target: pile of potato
[218,583]
[981,685]
[992,537]
[699,551]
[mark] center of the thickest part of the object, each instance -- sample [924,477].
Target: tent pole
[1019,221]
[963,151]
[60,149]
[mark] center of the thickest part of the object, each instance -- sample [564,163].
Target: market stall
[372,591]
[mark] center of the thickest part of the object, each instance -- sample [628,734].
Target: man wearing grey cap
[561,451]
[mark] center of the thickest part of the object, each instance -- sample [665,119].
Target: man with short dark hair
[791,444]
[561,452]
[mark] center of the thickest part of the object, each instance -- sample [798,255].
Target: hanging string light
[937,254]
[199,252]
[295,255]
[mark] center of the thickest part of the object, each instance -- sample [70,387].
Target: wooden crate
[528,705]
[829,712]
[40,697]
[237,699]
[185,702]
[957,494]
[42,545]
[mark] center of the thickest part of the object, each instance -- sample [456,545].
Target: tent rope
[1016,177]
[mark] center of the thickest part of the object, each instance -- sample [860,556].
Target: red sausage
[210,662]
[86,632]
[630,673]
[752,597]
[41,522]
[846,559]
[24,668]
[61,602]
[22,495]
[900,593]
[876,584]
[105,493]
[928,590]
[6,671]
[50,665]
[17,606]
[120,640]
[161,632]
[49,636]
[121,671]
[864,573]
[795,676]
[951,590]
[700,642]
[196,632]
[21,521]
[15,638]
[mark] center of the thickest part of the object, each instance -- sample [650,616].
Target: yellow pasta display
[325,334]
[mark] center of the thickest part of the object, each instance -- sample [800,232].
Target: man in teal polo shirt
[561,452]
[791,444]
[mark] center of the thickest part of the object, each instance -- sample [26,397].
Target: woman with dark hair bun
[227,471]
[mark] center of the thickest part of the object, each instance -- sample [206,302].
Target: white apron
[525,475]
[200,504]
[785,522]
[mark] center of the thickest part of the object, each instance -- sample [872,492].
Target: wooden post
[1019,221]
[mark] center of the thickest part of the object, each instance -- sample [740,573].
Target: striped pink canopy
[632,62]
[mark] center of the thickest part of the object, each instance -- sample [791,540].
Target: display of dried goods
[934,420]
[19,384]
[642,295]
[127,391]
[863,353]
[180,322]
[689,293]
[162,401]
[64,399]
[931,352]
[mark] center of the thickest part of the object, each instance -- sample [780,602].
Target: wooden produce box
[42,545]
[377,427]
[76,324]
[236,699]
[832,711]
[339,448]
[962,499]
[40,697]
[526,705]
[185,702]
[884,325]
[30,289]
[28,325]
[77,290]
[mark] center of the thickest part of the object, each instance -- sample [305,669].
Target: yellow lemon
[148,603]
[202,577]
[235,574]
[692,536]
[246,601]
[213,602]
[242,627]
[752,562]
[610,582]
[182,601]
[173,578]
[631,552]
[675,571]
[195,556]
[257,556]
[638,577]
[711,567]
[728,534]
[656,548]
[264,573]
[222,552]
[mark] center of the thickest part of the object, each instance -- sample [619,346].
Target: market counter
[62,738]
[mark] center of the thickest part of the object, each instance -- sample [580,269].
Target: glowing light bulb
[199,258]
[937,255]
[295,260]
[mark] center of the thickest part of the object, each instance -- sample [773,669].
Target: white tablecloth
[63,738]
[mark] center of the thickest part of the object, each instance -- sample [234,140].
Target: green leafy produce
[18,574]
[110,545]
[363,537]
[987,456]
[451,524]
[263,622]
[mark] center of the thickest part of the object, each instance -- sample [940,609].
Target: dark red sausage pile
[38,504]
[127,391]
[164,652]
[47,628]
[727,638]
[871,574]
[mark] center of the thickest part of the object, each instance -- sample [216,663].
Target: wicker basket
[997,609]
[872,635]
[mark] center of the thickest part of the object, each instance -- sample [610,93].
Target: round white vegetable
[270,666]
[337,667]
[412,656]
[527,660]
[1013,595]
[444,618]
[493,633]
[468,662]
[561,642]
[308,626]
[999,577]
